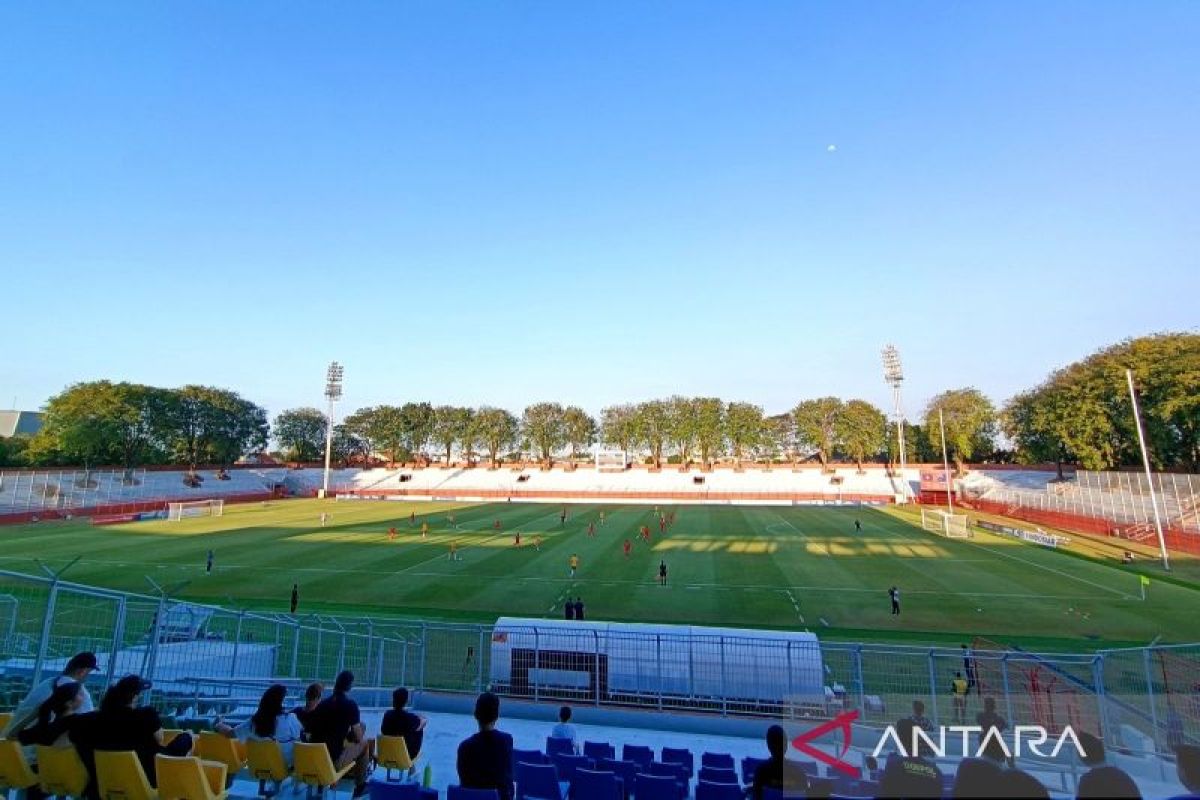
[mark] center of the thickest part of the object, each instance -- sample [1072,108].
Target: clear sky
[591,202]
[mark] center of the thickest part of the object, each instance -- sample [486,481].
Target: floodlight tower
[333,393]
[894,375]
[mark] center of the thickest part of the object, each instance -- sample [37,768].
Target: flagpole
[1137,418]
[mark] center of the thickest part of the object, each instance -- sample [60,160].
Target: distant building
[24,423]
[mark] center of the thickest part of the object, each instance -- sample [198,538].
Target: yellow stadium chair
[217,747]
[393,754]
[265,762]
[189,778]
[119,776]
[314,767]
[14,769]
[60,772]
[5,718]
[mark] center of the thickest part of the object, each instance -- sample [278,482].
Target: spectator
[57,722]
[270,723]
[122,725]
[564,729]
[909,775]
[485,759]
[569,609]
[312,696]
[958,689]
[918,716]
[976,777]
[1093,750]
[336,723]
[1107,782]
[989,720]
[1018,783]
[77,671]
[1187,764]
[776,772]
[399,722]
[578,608]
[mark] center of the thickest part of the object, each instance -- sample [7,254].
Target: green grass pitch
[749,566]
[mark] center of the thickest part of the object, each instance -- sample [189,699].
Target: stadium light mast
[894,375]
[333,393]
[1137,418]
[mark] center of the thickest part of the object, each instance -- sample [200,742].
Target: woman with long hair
[270,722]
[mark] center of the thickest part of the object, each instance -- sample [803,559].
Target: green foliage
[543,428]
[816,425]
[682,424]
[497,429]
[416,426]
[710,428]
[618,426]
[450,424]
[13,451]
[381,429]
[970,421]
[743,428]
[301,433]
[579,429]
[652,428]
[859,428]
[213,425]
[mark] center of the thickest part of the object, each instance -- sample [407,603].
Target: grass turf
[757,566]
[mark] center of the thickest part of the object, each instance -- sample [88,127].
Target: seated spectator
[1093,750]
[1018,783]
[55,718]
[312,696]
[77,671]
[976,777]
[399,722]
[485,758]
[918,716]
[564,729]
[777,772]
[988,720]
[122,725]
[909,775]
[270,723]
[336,723]
[1187,764]
[1107,782]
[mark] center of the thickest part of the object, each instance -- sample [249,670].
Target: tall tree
[362,427]
[780,432]
[710,428]
[744,429]
[816,426]
[301,433]
[470,437]
[215,425]
[618,426]
[383,428]
[651,425]
[543,428]
[860,428]
[416,427]
[579,429]
[103,422]
[450,424]
[970,421]
[681,426]
[497,429]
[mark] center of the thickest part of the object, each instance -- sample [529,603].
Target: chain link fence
[1141,700]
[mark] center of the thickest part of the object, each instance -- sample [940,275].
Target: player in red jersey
[628,546]
[392,534]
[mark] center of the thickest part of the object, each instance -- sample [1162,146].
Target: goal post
[952,526]
[195,508]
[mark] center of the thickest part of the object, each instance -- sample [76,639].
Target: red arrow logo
[839,723]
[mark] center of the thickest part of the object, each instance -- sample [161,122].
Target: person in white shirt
[77,670]
[269,723]
[564,729]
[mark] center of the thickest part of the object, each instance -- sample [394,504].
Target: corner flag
[1145,581]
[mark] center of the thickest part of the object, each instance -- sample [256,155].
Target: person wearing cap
[336,723]
[122,724]
[485,759]
[77,670]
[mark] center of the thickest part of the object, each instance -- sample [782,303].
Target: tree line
[1079,414]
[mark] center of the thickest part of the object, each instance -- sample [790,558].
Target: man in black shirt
[399,722]
[121,725]
[485,759]
[312,696]
[909,775]
[335,722]
[777,773]
[578,608]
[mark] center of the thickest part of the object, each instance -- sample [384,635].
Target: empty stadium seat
[119,776]
[717,760]
[638,754]
[187,778]
[567,763]
[587,784]
[711,790]
[599,750]
[716,775]
[679,755]
[61,772]
[539,781]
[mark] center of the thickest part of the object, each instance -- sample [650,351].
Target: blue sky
[591,201]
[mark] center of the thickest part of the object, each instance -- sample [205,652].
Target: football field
[747,566]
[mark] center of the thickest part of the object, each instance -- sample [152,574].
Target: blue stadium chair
[382,790]
[625,770]
[713,775]
[675,771]
[750,765]
[540,781]
[587,784]
[528,757]
[459,793]
[555,745]
[656,787]
[711,790]
[599,750]
[567,764]
[679,755]
[717,760]
[844,786]
[638,754]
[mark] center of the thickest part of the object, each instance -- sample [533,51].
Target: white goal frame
[195,508]
[952,526]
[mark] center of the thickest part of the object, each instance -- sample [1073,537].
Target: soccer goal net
[196,508]
[953,526]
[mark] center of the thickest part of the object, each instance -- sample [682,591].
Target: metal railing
[1142,699]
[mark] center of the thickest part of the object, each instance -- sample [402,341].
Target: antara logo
[1026,739]
[841,723]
